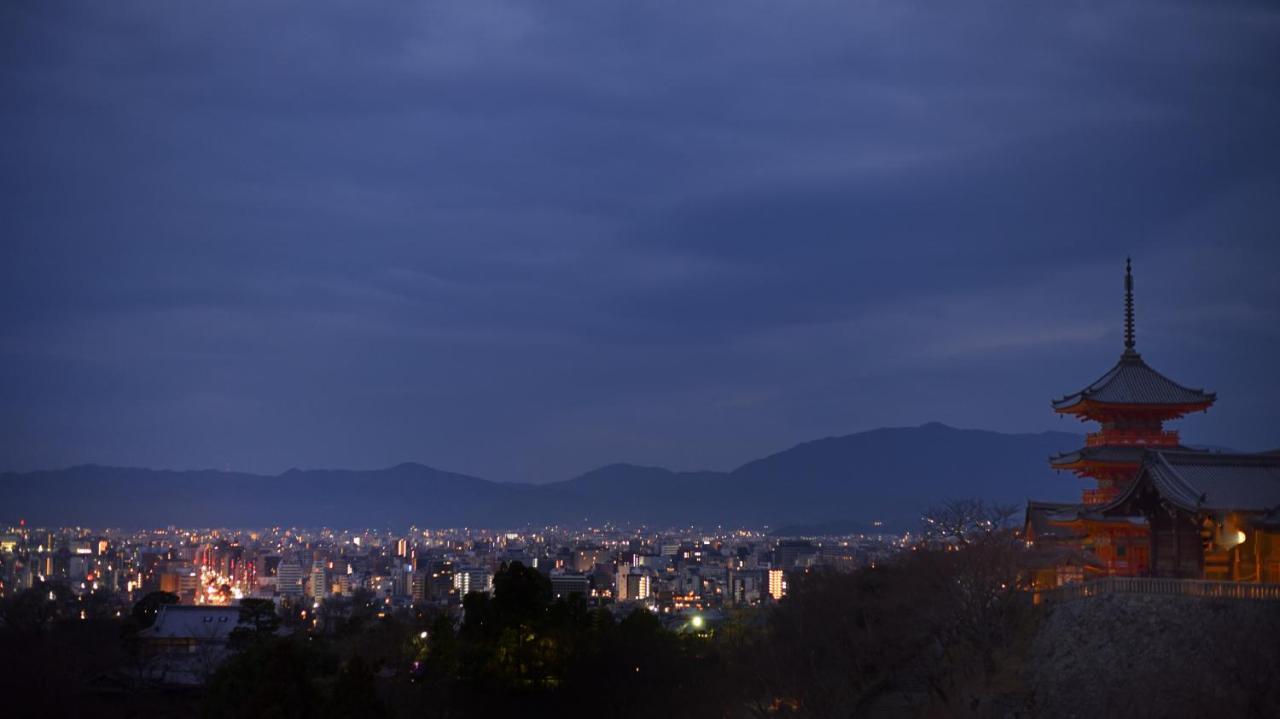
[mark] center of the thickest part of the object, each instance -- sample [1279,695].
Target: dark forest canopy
[936,632]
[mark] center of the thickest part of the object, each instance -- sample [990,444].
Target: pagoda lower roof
[1128,454]
[1040,525]
[1133,383]
[1060,521]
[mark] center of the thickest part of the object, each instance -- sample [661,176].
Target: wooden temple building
[1156,508]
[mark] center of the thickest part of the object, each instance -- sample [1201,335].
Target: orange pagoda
[1131,404]
[1157,509]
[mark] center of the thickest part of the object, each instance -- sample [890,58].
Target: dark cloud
[518,241]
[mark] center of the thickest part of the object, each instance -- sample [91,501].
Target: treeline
[943,630]
[925,633]
[928,633]
[516,653]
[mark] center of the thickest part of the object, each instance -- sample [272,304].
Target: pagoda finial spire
[1128,306]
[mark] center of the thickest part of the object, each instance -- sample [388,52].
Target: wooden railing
[1156,585]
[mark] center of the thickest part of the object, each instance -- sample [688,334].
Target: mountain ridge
[886,474]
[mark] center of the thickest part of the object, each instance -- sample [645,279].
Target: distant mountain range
[888,475]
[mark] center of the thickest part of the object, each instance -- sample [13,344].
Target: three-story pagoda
[1131,403]
[1156,508]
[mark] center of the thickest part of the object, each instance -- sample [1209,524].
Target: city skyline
[751,360]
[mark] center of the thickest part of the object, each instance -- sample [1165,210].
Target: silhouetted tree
[146,610]
[272,678]
[258,620]
[354,693]
[959,521]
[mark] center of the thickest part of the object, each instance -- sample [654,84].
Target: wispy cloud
[519,239]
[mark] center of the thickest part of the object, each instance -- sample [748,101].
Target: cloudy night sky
[520,240]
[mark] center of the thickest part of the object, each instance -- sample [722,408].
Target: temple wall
[1176,550]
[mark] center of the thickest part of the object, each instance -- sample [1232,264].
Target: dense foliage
[941,631]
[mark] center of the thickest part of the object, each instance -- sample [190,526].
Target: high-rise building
[472,579]
[639,586]
[633,584]
[340,584]
[180,578]
[440,583]
[318,587]
[793,552]
[564,584]
[777,584]
[620,582]
[289,578]
[402,580]
[418,586]
[745,586]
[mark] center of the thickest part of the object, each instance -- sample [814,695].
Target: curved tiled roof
[1118,455]
[1198,480]
[188,621]
[1214,481]
[1041,518]
[1132,381]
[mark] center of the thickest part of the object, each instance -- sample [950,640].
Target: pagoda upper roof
[1133,382]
